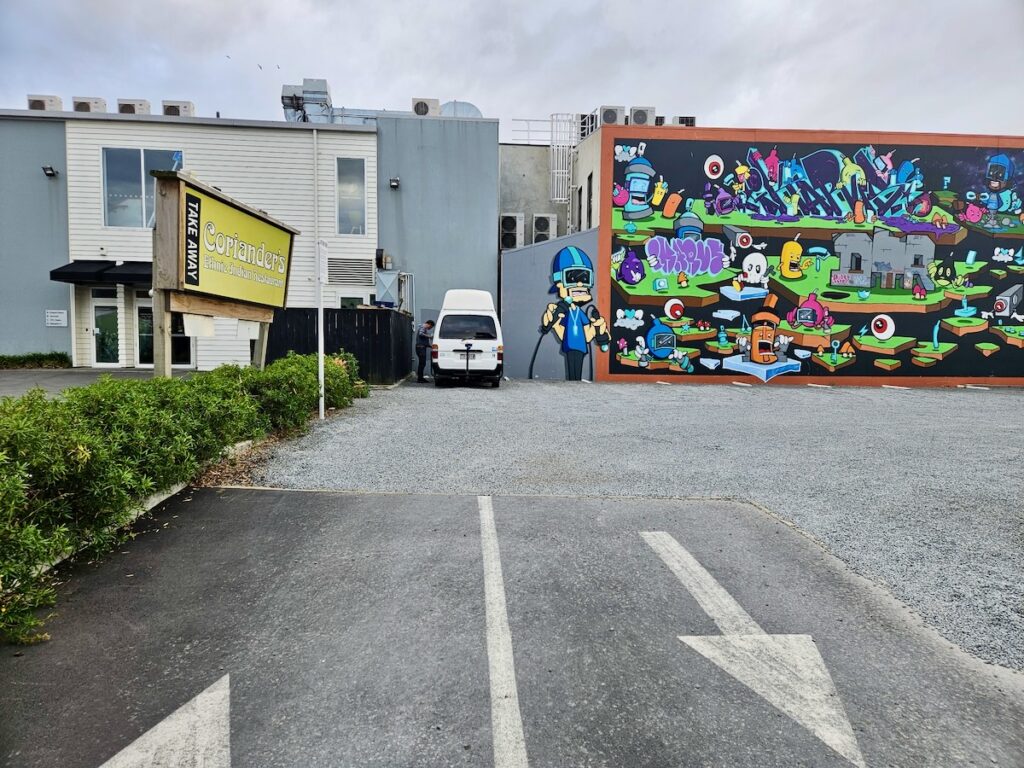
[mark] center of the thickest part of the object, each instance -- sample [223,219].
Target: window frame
[337,197]
[142,191]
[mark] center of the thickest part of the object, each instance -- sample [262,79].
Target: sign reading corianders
[230,253]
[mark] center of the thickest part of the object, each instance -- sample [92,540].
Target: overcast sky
[928,65]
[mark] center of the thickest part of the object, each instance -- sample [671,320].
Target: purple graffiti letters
[694,257]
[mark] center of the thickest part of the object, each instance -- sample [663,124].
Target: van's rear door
[467,342]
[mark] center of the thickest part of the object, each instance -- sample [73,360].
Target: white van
[467,339]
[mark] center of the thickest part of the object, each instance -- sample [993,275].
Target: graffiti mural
[572,320]
[774,259]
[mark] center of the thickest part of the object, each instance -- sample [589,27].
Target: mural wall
[550,324]
[761,259]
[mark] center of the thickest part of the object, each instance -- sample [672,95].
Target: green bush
[73,468]
[36,360]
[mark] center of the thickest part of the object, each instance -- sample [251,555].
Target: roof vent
[179,108]
[426,107]
[88,104]
[41,103]
[133,106]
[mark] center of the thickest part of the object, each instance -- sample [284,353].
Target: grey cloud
[926,65]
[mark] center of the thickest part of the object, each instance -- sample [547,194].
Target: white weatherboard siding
[268,168]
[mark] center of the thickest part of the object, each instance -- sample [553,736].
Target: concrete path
[14,383]
[332,629]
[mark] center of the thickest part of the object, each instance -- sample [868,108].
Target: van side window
[467,327]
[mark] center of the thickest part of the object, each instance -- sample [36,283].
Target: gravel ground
[917,490]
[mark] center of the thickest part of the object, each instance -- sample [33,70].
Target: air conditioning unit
[426,107]
[545,227]
[512,230]
[641,116]
[42,103]
[133,106]
[611,115]
[688,120]
[88,104]
[179,108]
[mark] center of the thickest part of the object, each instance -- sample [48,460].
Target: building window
[918,260]
[579,208]
[590,200]
[128,189]
[856,263]
[351,196]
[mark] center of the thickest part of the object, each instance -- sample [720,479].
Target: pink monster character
[619,194]
[811,314]
[972,213]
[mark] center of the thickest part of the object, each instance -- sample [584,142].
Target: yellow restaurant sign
[231,253]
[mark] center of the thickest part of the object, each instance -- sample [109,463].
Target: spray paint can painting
[638,182]
[660,189]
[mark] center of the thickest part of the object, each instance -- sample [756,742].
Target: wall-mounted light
[49,171]
[393,182]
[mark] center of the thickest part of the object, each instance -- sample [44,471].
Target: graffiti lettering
[694,257]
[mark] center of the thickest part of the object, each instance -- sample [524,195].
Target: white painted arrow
[787,671]
[197,735]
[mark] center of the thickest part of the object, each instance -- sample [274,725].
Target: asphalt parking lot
[265,628]
[918,490]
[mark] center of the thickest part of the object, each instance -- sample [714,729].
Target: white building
[320,179]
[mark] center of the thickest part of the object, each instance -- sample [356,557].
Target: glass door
[107,350]
[181,345]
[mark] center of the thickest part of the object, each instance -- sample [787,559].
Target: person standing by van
[424,335]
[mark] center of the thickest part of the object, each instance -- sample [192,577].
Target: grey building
[437,192]
[882,260]
[526,191]
[34,312]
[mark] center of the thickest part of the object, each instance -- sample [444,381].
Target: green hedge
[73,469]
[36,360]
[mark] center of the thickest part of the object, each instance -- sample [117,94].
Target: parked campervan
[467,339]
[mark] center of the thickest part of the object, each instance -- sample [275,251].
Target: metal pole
[321,269]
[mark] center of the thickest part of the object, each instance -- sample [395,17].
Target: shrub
[73,468]
[36,360]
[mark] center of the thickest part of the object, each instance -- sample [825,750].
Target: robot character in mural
[575,325]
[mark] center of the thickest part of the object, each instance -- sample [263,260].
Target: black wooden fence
[381,339]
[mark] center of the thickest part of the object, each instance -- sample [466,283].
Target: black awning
[130,273]
[104,272]
[82,271]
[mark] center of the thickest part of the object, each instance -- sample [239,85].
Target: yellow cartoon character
[789,263]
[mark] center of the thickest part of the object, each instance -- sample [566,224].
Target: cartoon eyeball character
[883,327]
[714,166]
[674,309]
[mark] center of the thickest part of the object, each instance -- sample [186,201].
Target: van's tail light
[501,353]
[433,352]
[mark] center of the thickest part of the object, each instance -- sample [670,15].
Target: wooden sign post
[217,257]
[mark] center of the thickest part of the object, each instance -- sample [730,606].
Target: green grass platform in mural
[877,300]
[700,291]
[928,349]
[888,363]
[815,228]
[813,337]
[825,361]
[1011,334]
[1007,224]
[891,346]
[645,228]
[629,359]
[987,348]
[962,326]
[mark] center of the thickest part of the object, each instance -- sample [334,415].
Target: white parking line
[506,720]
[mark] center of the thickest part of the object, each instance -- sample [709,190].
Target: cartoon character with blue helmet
[572,278]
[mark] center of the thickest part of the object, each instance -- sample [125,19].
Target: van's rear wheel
[496,383]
